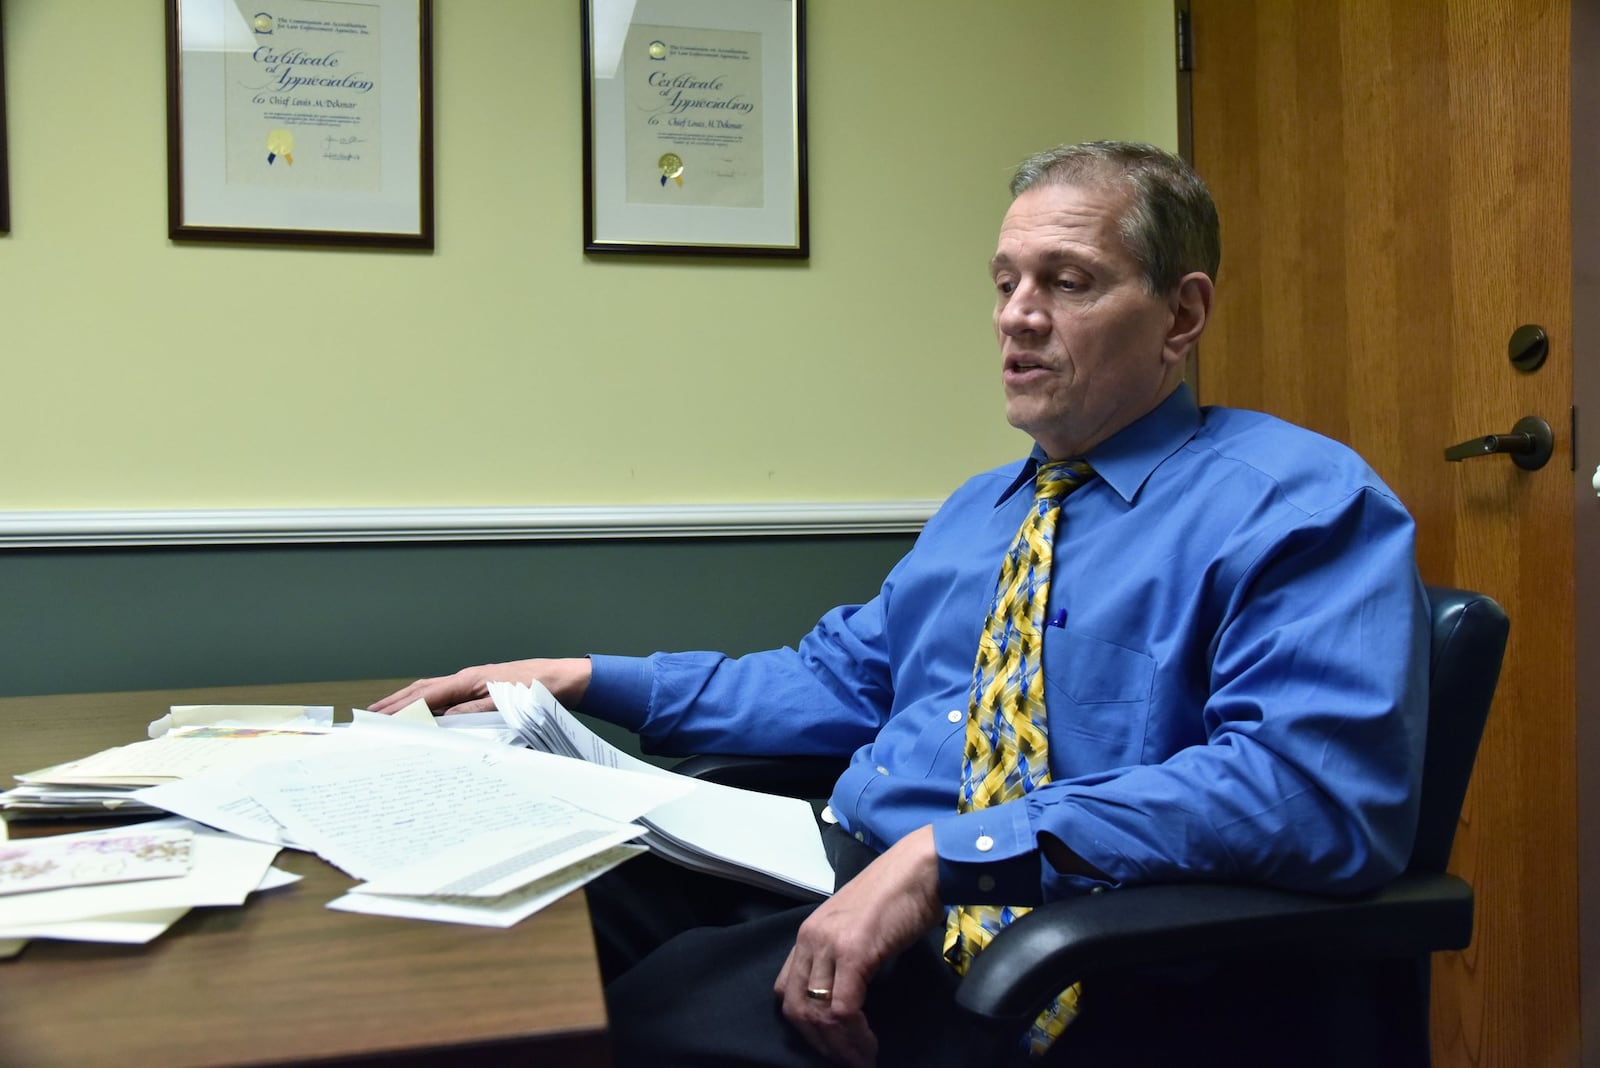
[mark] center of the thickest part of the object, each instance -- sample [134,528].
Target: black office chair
[1425,910]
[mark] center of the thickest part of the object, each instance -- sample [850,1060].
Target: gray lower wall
[86,620]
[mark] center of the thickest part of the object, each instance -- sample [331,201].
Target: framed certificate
[694,127]
[300,122]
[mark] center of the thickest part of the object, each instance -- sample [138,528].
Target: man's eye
[1005,285]
[1067,283]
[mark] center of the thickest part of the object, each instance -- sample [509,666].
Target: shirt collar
[1127,458]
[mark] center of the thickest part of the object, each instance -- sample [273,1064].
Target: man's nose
[1023,312]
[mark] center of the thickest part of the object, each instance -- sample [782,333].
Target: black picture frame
[212,196]
[5,161]
[694,127]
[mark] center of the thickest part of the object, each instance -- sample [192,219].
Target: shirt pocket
[1097,695]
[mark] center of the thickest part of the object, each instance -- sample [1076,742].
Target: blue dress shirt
[1235,672]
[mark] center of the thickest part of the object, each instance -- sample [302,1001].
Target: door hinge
[1185,42]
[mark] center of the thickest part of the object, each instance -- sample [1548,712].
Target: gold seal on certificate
[671,165]
[280,142]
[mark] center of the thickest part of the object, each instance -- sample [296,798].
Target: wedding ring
[819,993]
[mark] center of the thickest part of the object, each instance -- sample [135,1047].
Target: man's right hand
[468,689]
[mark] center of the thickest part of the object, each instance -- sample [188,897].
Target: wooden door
[1393,182]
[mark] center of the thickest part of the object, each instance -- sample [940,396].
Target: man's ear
[1191,310]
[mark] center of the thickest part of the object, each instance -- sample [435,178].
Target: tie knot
[1054,480]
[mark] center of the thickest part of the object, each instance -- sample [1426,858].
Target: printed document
[758,838]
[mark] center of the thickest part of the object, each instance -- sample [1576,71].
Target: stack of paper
[103,783]
[450,825]
[456,836]
[125,885]
[442,825]
[284,717]
[762,839]
[45,800]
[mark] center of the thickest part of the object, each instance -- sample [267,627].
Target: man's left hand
[848,938]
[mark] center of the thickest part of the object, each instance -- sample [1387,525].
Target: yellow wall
[506,368]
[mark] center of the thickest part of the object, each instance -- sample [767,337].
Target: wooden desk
[282,979]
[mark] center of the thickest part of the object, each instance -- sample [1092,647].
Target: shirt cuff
[619,689]
[988,857]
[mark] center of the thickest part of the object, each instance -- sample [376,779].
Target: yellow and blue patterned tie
[1007,746]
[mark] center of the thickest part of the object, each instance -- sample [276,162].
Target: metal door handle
[1529,444]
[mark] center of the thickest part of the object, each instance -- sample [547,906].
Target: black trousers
[689,961]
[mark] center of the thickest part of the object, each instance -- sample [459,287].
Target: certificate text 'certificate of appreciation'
[694,119]
[303,107]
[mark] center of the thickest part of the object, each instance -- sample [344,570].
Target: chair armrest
[1057,944]
[805,777]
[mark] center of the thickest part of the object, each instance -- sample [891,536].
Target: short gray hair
[1170,227]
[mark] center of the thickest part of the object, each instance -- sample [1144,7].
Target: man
[1205,662]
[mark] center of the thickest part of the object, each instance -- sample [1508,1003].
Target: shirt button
[954,715]
[984,843]
[861,836]
[827,814]
[1097,890]
[986,883]
[882,770]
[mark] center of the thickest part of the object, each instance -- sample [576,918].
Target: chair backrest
[1469,641]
